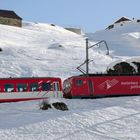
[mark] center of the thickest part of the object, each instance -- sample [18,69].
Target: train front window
[79,82]
[21,87]
[33,87]
[8,88]
[66,85]
[46,86]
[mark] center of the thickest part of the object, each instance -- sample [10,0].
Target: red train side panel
[101,85]
[29,88]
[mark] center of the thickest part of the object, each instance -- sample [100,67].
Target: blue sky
[90,15]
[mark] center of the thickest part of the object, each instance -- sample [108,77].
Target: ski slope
[39,49]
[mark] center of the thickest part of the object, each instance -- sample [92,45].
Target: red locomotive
[20,89]
[101,85]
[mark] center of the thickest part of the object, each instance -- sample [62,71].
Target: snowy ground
[100,119]
[40,49]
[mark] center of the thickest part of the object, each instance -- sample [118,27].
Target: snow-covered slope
[123,39]
[39,49]
[34,50]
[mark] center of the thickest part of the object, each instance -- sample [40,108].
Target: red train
[91,86]
[20,89]
[101,85]
[84,86]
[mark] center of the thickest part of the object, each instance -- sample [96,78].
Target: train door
[56,89]
[80,89]
[90,88]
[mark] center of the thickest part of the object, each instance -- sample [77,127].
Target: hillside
[40,49]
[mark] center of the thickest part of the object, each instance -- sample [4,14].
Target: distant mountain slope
[123,39]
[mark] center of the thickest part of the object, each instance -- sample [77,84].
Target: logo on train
[108,84]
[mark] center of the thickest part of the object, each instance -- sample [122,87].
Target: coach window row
[23,87]
[8,88]
[33,87]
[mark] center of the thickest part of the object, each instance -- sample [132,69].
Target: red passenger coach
[21,89]
[101,85]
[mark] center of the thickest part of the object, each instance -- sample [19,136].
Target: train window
[21,87]
[79,82]
[66,85]
[46,86]
[56,86]
[8,88]
[33,87]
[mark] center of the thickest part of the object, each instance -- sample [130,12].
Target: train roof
[104,74]
[16,78]
[111,74]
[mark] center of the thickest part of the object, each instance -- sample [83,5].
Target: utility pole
[87,69]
